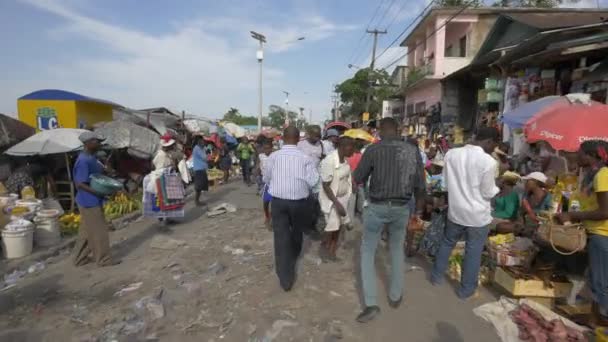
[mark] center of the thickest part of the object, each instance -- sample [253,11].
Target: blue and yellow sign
[46,118]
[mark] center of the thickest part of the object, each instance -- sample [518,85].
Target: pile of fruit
[120,205]
[69,224]
[215,174]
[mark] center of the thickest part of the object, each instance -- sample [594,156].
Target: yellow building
[52,108]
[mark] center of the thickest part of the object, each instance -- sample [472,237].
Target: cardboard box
[530,288]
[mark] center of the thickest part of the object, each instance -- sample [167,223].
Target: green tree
[233,115]
[353,92]
[276,116]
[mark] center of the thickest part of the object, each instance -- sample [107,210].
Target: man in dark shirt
[397,175]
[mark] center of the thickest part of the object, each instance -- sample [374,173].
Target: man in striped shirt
[290,175]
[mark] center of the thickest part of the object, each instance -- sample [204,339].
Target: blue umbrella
[518,117]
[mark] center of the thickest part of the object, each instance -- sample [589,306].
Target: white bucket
[32,204]
[47,231]
[17,244]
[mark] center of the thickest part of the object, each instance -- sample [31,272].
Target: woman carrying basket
[593,198]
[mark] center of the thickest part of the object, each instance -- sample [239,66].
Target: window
[463,46]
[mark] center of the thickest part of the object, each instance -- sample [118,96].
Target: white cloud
[204,66]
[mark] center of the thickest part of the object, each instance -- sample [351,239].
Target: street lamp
[286,107]
[260,55]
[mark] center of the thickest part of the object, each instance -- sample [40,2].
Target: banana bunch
[215,173]
[69,223]
[120,205]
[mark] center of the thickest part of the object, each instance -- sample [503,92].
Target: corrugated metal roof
[550,21]
[63,95]
[13,131]
[540,41]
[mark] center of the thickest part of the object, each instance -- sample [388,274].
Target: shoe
[287,287]
[368,314]
[395,303]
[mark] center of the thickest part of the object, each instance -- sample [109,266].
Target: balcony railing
[417,73]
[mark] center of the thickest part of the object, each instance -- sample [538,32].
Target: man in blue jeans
[397,174]
[469,177]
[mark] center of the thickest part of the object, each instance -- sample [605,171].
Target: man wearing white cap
[331,141]
[93,236]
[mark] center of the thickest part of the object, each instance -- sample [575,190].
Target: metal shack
[52,108]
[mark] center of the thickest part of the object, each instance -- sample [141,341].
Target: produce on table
[69,223]
[534,328]
[20,210]
[455,270]
[501,239]
[120,205]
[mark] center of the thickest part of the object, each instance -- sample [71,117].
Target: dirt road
[212,279]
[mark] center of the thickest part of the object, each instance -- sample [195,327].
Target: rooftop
[63,95]
[542,18]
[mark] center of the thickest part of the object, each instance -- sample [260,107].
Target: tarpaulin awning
[124,134]
[13,131]
[200,126]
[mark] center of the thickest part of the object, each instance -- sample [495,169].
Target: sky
[194,55]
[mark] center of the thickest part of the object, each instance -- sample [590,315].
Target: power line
[388,7]
[374,15]
[407,28]
[366,28]
[464,7]
[397,13]
[362,51]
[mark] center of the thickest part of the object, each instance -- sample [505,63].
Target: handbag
[564,239]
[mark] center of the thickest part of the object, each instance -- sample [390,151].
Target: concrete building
[442,43]
[446,41]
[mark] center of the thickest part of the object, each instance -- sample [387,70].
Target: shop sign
[46,118]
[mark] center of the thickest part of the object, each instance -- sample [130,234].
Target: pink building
[442,43]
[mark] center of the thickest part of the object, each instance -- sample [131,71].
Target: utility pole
[371,67]
[334,98]
[260,55]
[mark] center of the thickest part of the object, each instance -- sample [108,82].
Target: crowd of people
[403,180]
[312,186]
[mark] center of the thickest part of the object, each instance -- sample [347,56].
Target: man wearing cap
[469,176]
[331,142]
[93,236]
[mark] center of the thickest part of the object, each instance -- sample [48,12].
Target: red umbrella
[565,128]
[338,124]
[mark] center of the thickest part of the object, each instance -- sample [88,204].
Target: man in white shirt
[331,141]
[469,177]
